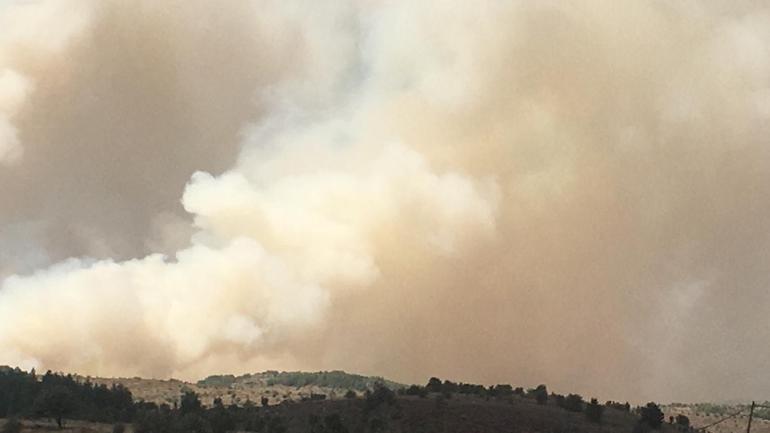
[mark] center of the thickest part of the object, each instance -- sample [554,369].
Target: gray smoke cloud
[520,192]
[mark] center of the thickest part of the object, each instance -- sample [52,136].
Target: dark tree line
[63,397]
[651,417]
[192,416]
[58,397]
[435,385]
[593,410]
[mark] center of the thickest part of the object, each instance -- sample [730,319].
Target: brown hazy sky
[575,194]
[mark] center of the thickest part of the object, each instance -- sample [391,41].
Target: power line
[751,416]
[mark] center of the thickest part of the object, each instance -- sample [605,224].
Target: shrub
[683,421]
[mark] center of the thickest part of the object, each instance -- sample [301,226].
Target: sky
[575,194]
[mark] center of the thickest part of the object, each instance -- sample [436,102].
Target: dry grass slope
[251,387]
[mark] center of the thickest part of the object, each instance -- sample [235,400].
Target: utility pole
[751,415]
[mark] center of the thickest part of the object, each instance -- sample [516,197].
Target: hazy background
[516,192]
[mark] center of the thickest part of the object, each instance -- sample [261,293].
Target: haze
[569,193]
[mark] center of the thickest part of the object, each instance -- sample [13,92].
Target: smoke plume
[514,192]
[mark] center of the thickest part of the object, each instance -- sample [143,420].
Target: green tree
[434,385]
[540,394]
[190,403]
[501,390]
[220,418]
[381,394]
[191,422]
[652,415]
[152,421]
[276,424]
[333,424]
[57,402]
[594,411]
[254,422]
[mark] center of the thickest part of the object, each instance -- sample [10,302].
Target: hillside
[273,385]
[323,402]
[459,414]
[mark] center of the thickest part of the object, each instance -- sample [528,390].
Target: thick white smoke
[40,28]
[499,192]
[13,90]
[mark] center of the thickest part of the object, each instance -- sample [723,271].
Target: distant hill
[274,385]
[335,380]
